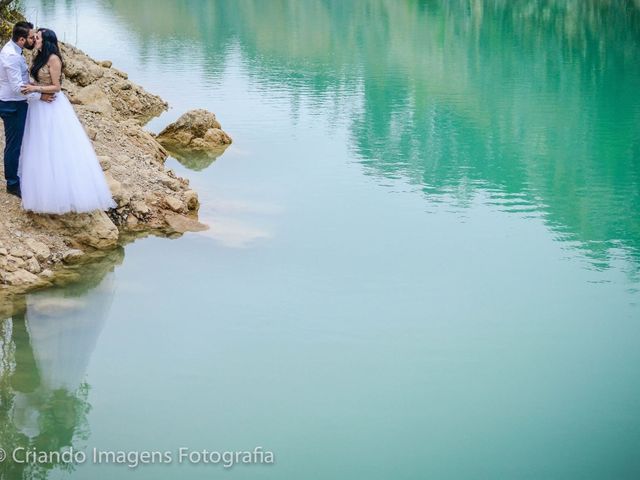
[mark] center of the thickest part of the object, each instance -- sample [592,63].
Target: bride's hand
[29,88]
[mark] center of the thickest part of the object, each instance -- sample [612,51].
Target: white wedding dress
[59,171]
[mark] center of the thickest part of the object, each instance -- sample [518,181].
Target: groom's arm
[13,67]
[12,64]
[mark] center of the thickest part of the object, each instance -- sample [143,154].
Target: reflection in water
[229,228]
[532,102]
[232,233]
[197,161]
[46,347]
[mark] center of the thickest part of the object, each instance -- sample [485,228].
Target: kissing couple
[49,161]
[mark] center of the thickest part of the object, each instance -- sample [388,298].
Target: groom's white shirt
[13,72]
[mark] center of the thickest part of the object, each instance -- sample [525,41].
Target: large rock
[33,266]
[11,264]
[174,204]
[93,229]
[80,68]
[20,278]
[181,224]
[72,256]
[94,99]
[42,252]
[197,131]
[191,200]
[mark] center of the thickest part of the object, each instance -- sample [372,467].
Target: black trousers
[14,116]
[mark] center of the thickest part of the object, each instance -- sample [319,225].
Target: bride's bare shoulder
[54,60]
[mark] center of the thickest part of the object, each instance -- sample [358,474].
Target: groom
[13,104]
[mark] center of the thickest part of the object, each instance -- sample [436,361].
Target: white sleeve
[12,65]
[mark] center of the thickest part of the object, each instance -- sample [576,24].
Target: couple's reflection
[47,345]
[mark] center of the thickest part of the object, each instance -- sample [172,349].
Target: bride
[59,170]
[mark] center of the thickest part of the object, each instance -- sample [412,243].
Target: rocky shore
[34,249]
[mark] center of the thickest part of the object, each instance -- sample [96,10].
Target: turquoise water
[423,259]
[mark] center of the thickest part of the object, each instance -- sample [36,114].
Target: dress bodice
[44,77]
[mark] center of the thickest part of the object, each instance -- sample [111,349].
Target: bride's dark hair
[49,47]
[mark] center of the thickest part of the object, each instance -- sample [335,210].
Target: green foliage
[10,13]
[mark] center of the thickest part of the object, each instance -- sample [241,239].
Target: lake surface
[423,260]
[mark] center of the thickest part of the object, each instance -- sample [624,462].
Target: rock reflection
[196,161]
